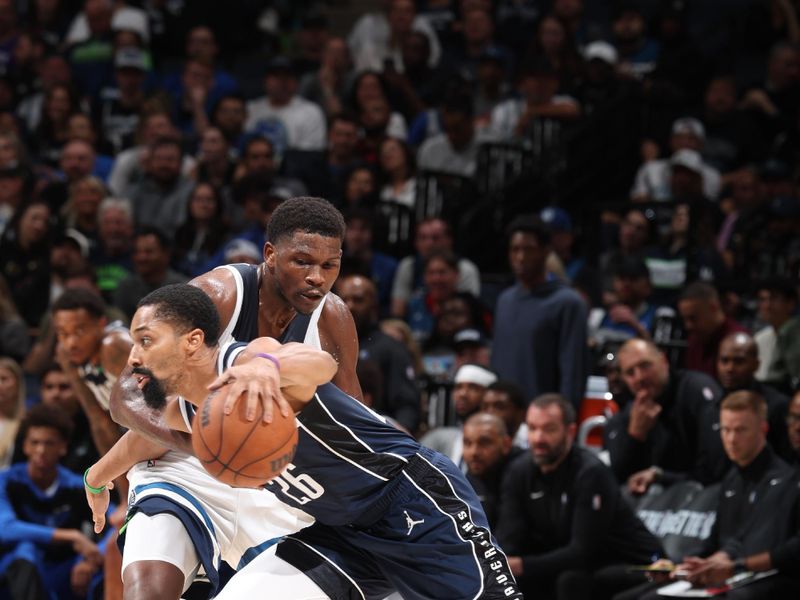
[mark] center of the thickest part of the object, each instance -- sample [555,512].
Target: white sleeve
[403,279]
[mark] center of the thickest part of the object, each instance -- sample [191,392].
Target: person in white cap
[469,384]
[653,180]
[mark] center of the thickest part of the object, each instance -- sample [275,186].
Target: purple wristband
[274,359]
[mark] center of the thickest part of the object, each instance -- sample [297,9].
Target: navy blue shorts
[432,543]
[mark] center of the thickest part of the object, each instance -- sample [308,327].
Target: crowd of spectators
[537,193]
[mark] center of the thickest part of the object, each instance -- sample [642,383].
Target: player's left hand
[260,380]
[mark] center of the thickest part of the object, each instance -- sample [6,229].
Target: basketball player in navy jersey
[390,513]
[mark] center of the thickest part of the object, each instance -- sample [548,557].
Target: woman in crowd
[12,407]
[204,232]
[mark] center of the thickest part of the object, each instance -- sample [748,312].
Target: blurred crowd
[592,202]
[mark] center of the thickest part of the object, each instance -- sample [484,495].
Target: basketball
[239,452]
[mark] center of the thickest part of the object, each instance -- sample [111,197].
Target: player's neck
[201,370]
[274,312]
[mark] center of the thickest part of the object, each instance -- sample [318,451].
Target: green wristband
[92,490]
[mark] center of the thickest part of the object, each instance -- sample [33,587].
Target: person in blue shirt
[44,551]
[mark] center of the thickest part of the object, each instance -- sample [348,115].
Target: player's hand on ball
[260,381]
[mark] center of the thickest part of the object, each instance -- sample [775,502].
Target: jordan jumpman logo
[411,522]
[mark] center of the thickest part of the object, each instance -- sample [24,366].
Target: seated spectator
[81,210]
[151,258]
[746,198]
[653,180]
[14,338]
[505,400]
[111,257]
[189,107]
[793,426]
[487,453]
[553,45]
[431,235]
[59,103]
[631,315]
[77,161]
[327,86]
[456,150]
[12,407]
[359,255]
[539,323]
[15,185]
[370,86]
[736,368]
[638,53]
[777,306]
[490,90]
[259,160]
[288,120]
[215,164]
[563,523]
[397,167]
[706,325]
[440,277]
[756,528]
[634,233]
[43,513]
[229,115]
[203,233]
[562,238]
[399,397]
[360,188]
[669,431]
[56,390]
[469,385]
[471,346]
[375,118]
[25,259]
[477,36]
[160,198]
[538,101]
[81,127]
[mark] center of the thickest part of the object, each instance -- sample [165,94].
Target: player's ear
[195,339]
[269,254]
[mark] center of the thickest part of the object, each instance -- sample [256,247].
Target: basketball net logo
[411,522]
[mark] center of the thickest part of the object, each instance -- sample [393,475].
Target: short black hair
[186,307]
[510,389]
[447,257]
[531,224]
[699,290]
[782,286]
[52,417]
[631,267]
[567,410]
[80,298]
[159,234]
[306,214]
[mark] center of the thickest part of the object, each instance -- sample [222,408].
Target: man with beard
[737,364]
[400,395]
[567,530]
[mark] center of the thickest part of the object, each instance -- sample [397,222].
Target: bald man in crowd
[671,429]
[737,365]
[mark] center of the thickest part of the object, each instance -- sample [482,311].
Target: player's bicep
[339,337]
[115,351]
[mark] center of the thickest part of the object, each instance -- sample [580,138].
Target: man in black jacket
[563,522]
[758,519]
[400,397]
[671,429]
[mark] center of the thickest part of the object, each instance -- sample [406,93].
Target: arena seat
[597,402]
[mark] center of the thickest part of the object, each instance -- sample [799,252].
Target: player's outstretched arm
[130,449]
[128,408]
[295,366]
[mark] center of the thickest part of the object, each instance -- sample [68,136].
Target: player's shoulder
[335,313]
[220,285]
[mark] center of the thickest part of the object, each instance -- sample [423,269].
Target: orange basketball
[239,452]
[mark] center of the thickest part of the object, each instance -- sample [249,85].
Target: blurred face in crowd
[415,50]
[783,68]
[34,224]
[165,163]
[746,190]
[440,279]
[77,160]
[304,267]
[478,26]
[743,435]
[551,35]
[56,390]
[686,183]
[201,45]
[401,16]
[86,197]
[701,317]
[432,236]
[375,115]
[11,190]
[156,126]
[538,88]
[197,75]
[498,403]
[737,362]
[549,438]
[9,392]
[358,237]
[793,422]
[644,368]
[342,139]
[54,70]
[44,447]
[368,88]
[149,259]
[631,291]
[629,26]
[359,294]
[360,184]
[720,96]
[685,140]
[79,334]
[8,16]
[633,231]
[98,15]
[259,157]
[527,256]
[336,56]
[393,157]
[774,307]
[116,229]
[454,316]
[129,80]
[458,127]
[213,146]
[79,127]
[9,151]
[486,444]
[467,398]
[568,9]
[280,86]
[203,203]
[230,116]
[679,225]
